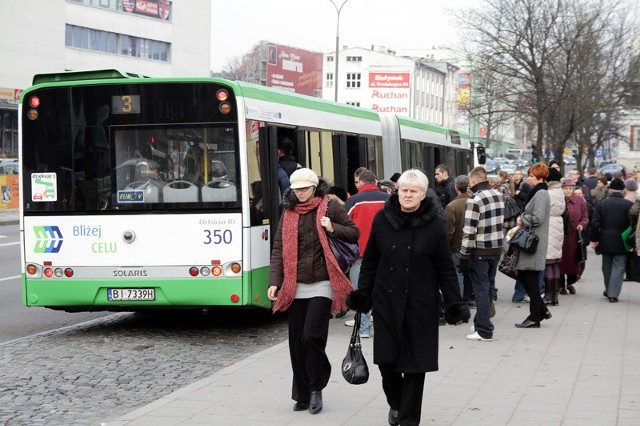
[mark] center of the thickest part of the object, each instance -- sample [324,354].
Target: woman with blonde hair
[406,263]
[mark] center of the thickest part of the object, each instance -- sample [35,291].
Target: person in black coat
[406,262]
[445,188]
[610,219]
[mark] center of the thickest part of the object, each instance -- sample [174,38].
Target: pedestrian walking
[406,262]
[610,219]
[306,281]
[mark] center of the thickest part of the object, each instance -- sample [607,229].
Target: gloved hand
[464,266]
[358,301]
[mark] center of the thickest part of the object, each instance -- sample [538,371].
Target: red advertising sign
[295,70]
[160,9]
[389,80]
[464,80]
[389,92]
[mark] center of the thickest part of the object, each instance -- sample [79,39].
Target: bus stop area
[580,368]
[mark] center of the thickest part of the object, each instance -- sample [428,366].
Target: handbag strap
[355,334]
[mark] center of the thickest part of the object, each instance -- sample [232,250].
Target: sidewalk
[9,217]
[582,367]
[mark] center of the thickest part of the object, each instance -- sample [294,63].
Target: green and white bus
[141,193]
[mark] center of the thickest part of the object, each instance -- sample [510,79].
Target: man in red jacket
[362,208]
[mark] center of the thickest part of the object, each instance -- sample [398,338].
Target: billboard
[464,88]
[160,9]
[295,70]
[390,92]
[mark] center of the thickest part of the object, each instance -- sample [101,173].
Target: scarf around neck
[538,187]
[340,284]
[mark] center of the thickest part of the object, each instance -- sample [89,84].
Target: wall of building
[33,39]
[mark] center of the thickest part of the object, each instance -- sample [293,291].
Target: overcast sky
[311,24]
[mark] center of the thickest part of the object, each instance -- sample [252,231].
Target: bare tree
[540,52]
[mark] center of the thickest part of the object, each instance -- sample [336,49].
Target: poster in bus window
[44,187]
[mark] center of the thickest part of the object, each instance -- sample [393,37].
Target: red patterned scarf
[340,284]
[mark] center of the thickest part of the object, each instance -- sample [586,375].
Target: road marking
[3,236]
[9,278]
[10,244]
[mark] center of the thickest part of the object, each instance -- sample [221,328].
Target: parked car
[611,168]
[509,168]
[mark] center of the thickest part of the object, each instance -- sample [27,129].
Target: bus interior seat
[180,191]
[151,192]
[219,191]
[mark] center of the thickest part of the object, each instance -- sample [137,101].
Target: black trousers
[308,331]
[404,392]
[530,281]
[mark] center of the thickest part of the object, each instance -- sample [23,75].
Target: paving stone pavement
[580,368]
[109,366]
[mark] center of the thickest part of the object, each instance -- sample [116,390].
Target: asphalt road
[17,320]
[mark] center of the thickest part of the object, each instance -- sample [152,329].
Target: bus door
[349,153]
[269,190]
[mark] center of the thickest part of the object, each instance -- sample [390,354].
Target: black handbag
[581,248]
[511,208]
[346,253]
[508,262]
[526,240]
[354,366]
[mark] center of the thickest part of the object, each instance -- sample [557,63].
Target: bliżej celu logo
[48,239]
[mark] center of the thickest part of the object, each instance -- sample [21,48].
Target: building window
[329,58]
[353,79]
[357,104]
[108,42]
[634,138]
[329,79]
[354,58]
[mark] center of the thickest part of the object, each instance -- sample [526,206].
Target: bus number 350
[217,236]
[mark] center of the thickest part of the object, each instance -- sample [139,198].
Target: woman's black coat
[406,262]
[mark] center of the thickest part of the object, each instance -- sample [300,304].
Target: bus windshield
[130,147]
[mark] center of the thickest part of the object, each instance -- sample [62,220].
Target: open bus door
[271,198]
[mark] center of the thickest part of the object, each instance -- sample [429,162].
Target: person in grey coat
[529,265]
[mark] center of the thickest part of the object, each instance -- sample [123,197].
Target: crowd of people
[429,255]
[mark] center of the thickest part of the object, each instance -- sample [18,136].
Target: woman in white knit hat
[306,280]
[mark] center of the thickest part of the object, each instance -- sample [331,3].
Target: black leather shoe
[613,300]
[315,405]
[394,417]
[571,288]
[604,293]
[547,315]
[528,324]
[300,406]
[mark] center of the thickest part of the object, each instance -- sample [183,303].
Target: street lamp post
[335,77]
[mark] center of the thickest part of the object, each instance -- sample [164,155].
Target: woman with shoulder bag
[306,281]
[406,262]
[530,265]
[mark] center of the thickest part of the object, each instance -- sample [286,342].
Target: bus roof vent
[84,75]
